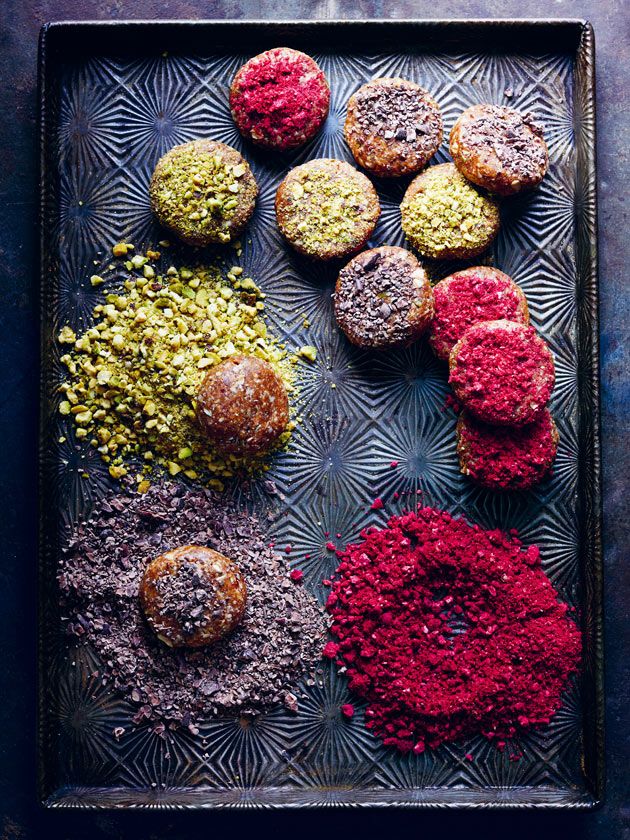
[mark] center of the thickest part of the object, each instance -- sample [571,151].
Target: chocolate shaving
[378,300]
[508,135]
[278,642]
[400,113]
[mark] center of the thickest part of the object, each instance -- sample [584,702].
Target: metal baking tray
[113,98]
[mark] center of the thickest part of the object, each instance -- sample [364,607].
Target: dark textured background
[19,815]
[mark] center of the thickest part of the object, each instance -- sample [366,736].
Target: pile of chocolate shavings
[278,642]
[398,113]
[376,296]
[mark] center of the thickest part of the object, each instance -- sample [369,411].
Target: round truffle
[393,127]
[192,596]
[467,297]
[242,406]
[499,149]
[326,209]
[502,372]
[279,99]
[446,217]
[383,298]
[204,192]
[507,457]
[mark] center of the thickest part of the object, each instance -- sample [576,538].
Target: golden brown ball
[204,191]
[499,149]
[393,127]
[243,406]
[326,209]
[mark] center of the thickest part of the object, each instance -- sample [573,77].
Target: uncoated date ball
[242,405]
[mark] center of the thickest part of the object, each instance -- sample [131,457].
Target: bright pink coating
[502,372]
[468,297]
[507,457]
[280,98]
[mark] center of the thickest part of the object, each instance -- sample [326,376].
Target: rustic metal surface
[20,817]
[108,114]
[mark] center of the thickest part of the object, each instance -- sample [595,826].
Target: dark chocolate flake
[249,671]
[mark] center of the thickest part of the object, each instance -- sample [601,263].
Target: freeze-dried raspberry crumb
[502,372]
[330,650]
[452,403]
[280,98]
[505,457]
[449,631]
[479,293]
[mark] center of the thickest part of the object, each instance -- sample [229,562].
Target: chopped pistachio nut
[196,191]
[449,213]
[308,352]
[134,374]
[66,336]
[96,280]
[324,207]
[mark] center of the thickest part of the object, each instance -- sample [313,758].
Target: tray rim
[86,798]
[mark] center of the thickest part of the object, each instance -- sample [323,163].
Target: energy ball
[279,99]
[326,209]
[505,457]
[204,192]
[499,149]
[383,298]
[446,217]
[393,127]
[192,596]
[502,372]
[242,406]
[467,297]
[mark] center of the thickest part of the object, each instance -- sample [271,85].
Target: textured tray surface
[108,116]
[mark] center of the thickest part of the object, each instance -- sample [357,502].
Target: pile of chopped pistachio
[134,374]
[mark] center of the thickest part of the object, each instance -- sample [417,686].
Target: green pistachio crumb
[324,207]
[308,352]
[448,214]
[133,374]
[195,192]
[66,336]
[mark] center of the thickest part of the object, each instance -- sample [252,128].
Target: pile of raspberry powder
[449,631]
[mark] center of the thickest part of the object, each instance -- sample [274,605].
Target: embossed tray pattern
[114,98]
